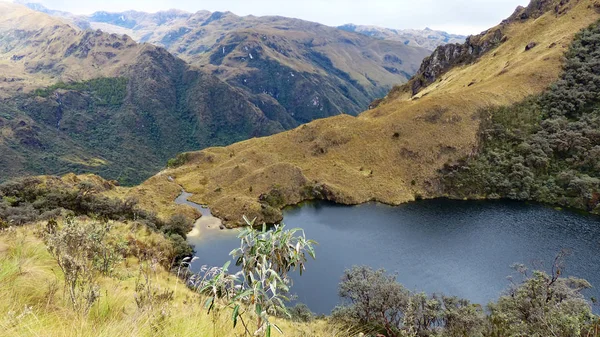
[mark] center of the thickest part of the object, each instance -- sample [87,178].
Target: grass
[33,302]
[395,143]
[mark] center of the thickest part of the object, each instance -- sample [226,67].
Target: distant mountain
[287,66]
[89,101]
[425,38]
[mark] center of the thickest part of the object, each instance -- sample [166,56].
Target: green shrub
[178,161]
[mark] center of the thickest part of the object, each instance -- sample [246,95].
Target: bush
[540,305]
[301,313]
[180,160]
[82,254]
[375,301]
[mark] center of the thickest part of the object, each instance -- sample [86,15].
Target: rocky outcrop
[449,56]
[446,57]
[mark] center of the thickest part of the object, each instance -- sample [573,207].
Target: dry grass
[390,154]
[33,302]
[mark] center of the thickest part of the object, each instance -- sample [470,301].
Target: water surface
[462,248]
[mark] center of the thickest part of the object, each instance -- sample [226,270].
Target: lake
[461,248]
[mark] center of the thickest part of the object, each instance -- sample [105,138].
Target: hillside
[287,66]
[88,101]
[393,152]
[425,38]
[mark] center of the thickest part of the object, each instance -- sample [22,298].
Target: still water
[461,248]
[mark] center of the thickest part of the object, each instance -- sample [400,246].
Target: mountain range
[426,38]
[84,100]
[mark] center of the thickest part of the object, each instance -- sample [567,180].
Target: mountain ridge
[320,71]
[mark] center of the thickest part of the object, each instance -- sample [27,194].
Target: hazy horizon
[453,16]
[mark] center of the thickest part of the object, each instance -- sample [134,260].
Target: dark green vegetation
[546,148]
[30,199]
[103,91]
[538,305]
[125,128]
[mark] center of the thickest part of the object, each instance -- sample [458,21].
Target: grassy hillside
[101,272]
[392,153]
[34,303]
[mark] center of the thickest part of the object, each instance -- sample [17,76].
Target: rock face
[452,55]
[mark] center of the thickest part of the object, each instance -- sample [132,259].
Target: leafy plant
[260,289]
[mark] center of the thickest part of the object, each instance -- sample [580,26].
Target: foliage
[543,305]
[261,287]
[546,148]
[82,254]
[180,160]
[27,200]
[539,305]
[301,313]
[105,90]
[376,302]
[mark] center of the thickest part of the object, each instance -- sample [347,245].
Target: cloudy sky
[455,16]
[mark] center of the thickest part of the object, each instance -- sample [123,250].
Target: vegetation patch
[546,148]
[106,91]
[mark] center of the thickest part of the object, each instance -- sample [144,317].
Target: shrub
[80,252]
[180,160]
[301,313]
[260,289]
[375,301]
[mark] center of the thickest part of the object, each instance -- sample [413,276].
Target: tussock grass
[33,302]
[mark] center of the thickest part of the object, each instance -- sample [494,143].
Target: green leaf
[234,315]
[268,330]
[258,309]
[209,304]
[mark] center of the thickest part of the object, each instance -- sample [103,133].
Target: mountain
[425,38]
[287,66]
[394,152]
[88,101]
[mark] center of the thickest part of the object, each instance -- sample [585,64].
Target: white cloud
[456,16]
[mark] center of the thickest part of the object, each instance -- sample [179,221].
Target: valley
[53,122]
[181,174]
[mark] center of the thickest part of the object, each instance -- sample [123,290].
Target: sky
[454,16]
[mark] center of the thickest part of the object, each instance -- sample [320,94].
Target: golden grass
[33,302]
[389,154]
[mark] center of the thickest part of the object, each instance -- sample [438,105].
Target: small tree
[261,287]
[78,250]
[376,302]
[542,305]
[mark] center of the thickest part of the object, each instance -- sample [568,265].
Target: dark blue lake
[462,248]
